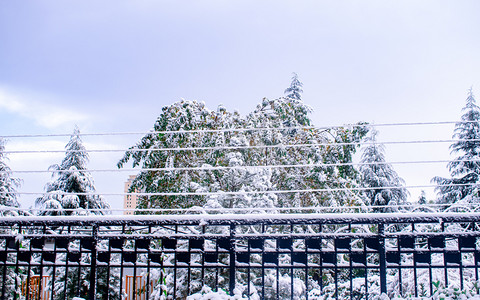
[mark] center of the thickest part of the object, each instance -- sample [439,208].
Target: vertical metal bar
[79,273]
[4,275]
[134,279]
[27,284]
[366,266]
[16,266]
[40,283]
[336,272]
[248,269]
[263,262]
[277,292]
[203,257]
[54,269]
[217,267]
[414,264]
[162,274]
[92,293]
[306,269]
[188,267]
[121,263]
[321,263]
[175,267]
[232,260]
[400,282]
[291,267]
[65,285]
[382,255]
[107,288]
[350,265]
[148,264]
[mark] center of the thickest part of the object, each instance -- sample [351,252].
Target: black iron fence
[255,256]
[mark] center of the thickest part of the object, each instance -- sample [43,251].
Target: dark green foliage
[220,148]
[465,169]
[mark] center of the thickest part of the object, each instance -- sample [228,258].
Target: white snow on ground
[207,294]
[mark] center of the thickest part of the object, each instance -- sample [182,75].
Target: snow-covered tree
[284,113]
[176,119]
[465,168]
[384,186]
[8,184]
[230,150]
[72,192]
[295,90]
[422,200]
[72,189]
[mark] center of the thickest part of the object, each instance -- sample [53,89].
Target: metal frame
[340,255]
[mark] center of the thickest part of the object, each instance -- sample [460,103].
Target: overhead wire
[237,193]
[183,131]
[241,167]
[241,147]
[196,209]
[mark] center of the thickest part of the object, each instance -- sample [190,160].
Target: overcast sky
[110,66]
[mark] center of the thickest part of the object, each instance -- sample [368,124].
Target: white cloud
[44,113]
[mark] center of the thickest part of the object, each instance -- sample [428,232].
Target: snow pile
[207,294]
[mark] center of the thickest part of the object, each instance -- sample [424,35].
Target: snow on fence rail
[257,256]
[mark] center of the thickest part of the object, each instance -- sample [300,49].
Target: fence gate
[36,288]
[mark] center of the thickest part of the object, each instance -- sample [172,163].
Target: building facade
[129,201]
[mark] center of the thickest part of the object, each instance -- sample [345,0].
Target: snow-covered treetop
[468,129]
[465,168]
[295,90]
[380,175]
[68,192]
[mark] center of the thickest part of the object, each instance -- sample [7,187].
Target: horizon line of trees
[71,190]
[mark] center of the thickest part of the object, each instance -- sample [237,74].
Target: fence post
[232,259]
[383,262]
[92,292]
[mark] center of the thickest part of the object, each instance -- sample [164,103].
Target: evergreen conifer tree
[8,198]
[71,190]
[465,169]
[218,149]
[236,174]
[295,90]
[8,184]
[383,183]
[422,200]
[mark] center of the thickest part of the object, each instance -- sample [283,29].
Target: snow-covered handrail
[337,218]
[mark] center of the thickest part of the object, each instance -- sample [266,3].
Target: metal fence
[258,256]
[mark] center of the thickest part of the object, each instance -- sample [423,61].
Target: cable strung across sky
[238,129]
[219,168]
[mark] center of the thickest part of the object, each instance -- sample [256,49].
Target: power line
[239,193]
[182,131]
[409,206]
[221,168]
[241,147]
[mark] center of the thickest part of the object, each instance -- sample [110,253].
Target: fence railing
[258,256]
